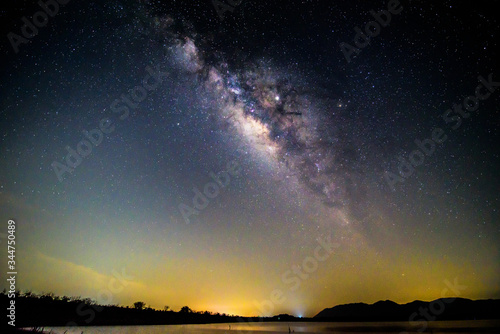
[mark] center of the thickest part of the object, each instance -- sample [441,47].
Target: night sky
[262,157]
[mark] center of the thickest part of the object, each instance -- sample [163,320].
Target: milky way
[286,118]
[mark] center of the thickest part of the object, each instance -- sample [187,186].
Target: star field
[209,153]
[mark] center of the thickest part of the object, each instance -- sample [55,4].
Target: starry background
[313,135]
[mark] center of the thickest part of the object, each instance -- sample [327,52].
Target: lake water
[448,327]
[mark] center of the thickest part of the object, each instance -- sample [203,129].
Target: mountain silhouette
[439,309]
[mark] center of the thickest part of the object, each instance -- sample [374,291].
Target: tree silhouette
[166,308]
[139,305]
[186,309]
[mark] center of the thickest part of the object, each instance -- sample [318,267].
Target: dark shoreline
[488,326]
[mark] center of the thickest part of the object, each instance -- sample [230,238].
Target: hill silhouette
[439,309]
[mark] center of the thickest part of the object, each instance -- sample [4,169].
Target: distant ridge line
[417,310]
